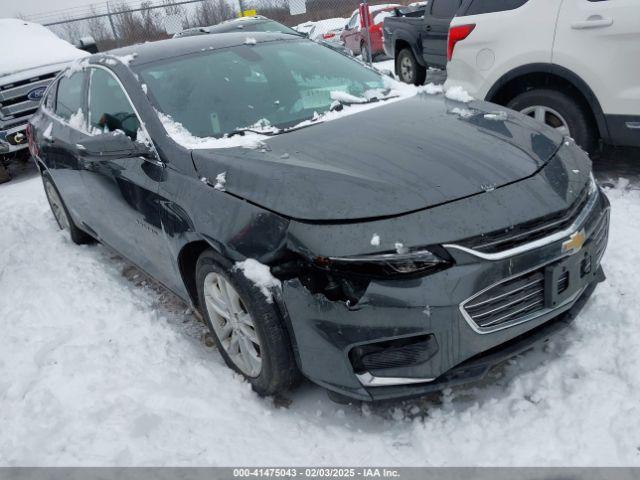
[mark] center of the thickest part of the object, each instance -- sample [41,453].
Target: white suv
[573,64]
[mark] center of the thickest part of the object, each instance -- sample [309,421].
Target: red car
[355,36]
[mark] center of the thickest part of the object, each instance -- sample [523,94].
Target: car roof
[175,47]
[227,26]
[237,24]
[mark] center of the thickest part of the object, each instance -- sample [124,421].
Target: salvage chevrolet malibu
[326,221]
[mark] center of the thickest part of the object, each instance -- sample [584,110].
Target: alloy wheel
[406,69]
[233,324]
[56,206]
[549,117]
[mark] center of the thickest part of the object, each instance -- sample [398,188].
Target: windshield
[272,85]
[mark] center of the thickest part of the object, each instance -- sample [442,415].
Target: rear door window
[445,8]
[69,97]
[477,7]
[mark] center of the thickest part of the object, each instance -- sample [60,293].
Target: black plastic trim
[565,74]
[621,133]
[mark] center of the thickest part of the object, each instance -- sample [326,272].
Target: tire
[278,371]
[408,69]
[562,105]
[60,212]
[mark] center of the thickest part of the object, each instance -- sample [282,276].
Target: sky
[11,8]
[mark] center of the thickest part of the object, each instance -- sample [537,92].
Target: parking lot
[103,366]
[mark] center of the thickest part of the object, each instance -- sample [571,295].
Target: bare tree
[71,31]
[134,27]
[170,8]
[97,28]
[211,12]
[151,24]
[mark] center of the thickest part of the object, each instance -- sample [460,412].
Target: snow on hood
[36,46]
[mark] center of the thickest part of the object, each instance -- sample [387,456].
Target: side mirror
[114,145]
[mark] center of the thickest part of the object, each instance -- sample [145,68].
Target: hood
[30,45]
[394,159]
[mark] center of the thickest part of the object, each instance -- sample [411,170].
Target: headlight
[418,262]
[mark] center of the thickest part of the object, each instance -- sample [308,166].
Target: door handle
[594,21]
[427,28]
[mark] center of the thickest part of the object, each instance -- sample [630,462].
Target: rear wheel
[60,212]
[408,69]
[247,329]
[560,111]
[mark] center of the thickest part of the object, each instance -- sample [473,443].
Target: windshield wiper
[338,105]
[242,131]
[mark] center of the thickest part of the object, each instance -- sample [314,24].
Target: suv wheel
[247,329]
[61,214]
[408,68]
[559,111]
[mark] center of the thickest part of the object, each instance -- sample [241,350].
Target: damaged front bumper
[409,337]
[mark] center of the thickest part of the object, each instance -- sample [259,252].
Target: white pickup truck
[32,56]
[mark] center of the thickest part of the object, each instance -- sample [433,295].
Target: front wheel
[247,328]
[408,69]
[559,111]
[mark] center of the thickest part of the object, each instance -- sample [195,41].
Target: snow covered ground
[97,367]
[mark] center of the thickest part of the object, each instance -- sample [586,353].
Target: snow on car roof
[35,46]
[325,26]
[377,8]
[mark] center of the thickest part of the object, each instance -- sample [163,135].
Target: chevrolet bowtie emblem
[575,243]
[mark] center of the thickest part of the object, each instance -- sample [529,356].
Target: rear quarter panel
[501,42]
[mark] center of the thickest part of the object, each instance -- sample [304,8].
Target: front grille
[515,298]
[15,106]
[508,301]
[512,300]
[517,235]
